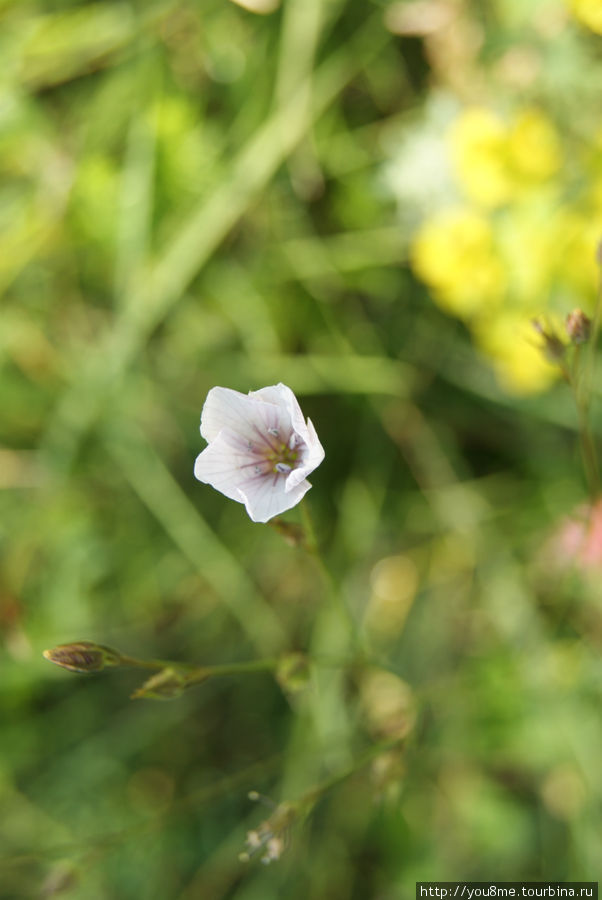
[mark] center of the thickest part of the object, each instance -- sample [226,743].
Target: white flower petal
[266,497]
[282,396]
[225,408]
[311,459]
[316,450]
[224,466]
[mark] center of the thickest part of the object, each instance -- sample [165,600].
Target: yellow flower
[589,13]
[455,255]
[578,236]
[525,240]
[478,146]
[533,146]
[495,162]
[528,245]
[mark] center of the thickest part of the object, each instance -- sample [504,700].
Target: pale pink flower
[260,449]
[578,540]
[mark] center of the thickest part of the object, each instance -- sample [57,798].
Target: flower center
[283,460]
[282,456]
[272,455]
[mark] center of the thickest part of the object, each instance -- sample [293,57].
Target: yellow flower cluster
[520,241]
[497,162]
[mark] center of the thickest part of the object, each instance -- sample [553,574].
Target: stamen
[264,438]
[261,798]
[282,467]
[292,441]
[274,848]
[253,840]
[273,431]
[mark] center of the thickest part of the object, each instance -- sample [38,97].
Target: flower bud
[293,673]
[387,703]
[165,685]
[578,327]
[83,656]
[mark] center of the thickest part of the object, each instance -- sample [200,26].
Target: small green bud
[165,685]
[83,656]
[293,673]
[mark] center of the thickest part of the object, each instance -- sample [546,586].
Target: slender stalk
[588,452]
[593,346]
[311,543]
[86,656]
[581,377]
[254,665]
[314,793]
[193,673]
[580,384]
[310,532]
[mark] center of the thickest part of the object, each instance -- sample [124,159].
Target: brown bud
[578,327]
[83,656]
[165,685]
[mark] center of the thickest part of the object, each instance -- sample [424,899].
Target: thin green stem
[256,665]
[194,673]
[593,346]
[579,378]
[361,762]
[310,532]
[311,543]
[86,656]
[588,452]
[172,679]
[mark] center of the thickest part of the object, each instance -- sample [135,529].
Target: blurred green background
[367,201]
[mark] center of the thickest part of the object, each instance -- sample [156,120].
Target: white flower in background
[260,449]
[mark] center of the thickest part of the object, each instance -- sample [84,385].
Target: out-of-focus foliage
[367,202]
